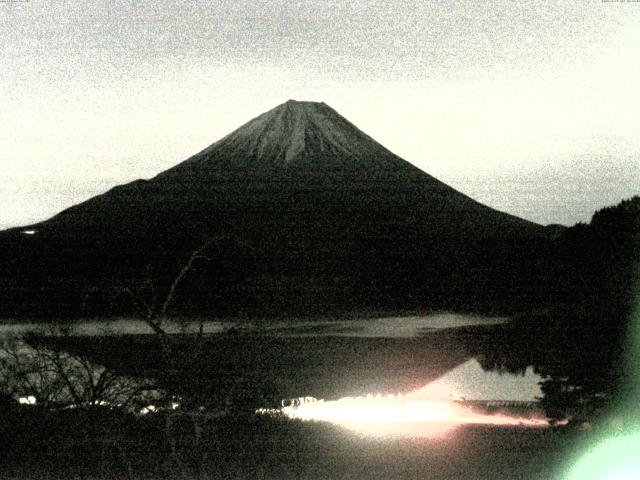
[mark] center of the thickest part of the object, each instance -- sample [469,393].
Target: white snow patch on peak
[286,131]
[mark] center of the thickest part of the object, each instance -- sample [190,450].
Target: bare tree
[59,379]
[155,304]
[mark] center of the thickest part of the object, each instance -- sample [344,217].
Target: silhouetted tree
[58,379]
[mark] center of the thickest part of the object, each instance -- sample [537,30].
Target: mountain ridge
[240,154]
[310,212]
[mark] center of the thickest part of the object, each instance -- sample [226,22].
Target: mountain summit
[292,129]
[302,213]
[306,135]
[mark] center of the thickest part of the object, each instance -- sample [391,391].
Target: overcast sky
[530,107]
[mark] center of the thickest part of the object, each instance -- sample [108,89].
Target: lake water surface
[385,327]
[467,379]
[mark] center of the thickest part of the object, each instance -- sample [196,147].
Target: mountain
[302,214]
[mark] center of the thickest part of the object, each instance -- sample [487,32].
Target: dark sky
[529,107]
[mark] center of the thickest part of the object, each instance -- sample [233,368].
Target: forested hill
[580,338]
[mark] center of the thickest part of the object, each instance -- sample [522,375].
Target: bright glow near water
[430,414]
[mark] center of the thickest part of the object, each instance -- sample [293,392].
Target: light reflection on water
[434,410]
[470,381]
[407,416]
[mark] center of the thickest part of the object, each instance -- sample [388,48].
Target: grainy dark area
[110,445]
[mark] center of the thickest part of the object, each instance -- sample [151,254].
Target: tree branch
[196,255]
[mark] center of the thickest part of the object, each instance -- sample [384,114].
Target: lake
[391,368]
[389,327]
[326,359]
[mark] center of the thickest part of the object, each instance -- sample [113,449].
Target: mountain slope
[304,213]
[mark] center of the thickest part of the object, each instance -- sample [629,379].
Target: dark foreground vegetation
[100,443]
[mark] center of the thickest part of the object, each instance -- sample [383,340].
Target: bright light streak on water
[402,416]
[378,415]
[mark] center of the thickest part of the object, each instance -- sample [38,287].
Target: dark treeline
[576,338]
